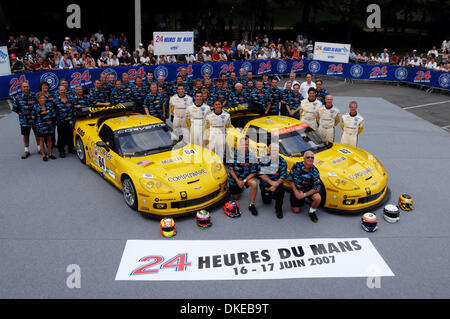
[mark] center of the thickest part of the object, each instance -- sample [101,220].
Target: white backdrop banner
[5,68]
[250,259]
[166,43]
[331,52]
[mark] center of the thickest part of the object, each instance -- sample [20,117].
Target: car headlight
[342,183]
[155,186]
[218,170]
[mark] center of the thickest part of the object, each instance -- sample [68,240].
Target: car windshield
[296,140]
[145,140]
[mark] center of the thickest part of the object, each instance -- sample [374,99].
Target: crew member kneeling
[242,172]
[272,175]
[305,182]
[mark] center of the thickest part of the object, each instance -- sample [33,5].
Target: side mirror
[103,145]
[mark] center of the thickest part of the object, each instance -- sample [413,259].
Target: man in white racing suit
[196,119]
[328,116]
[177,106]
[309,108]
[352,125]
[217,122]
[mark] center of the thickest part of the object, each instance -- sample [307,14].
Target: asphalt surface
[62,213]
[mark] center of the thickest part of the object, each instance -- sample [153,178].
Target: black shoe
[53,157]
[62,154]
[25,155]
[279,212]
[45,158]
[313,217]
[253,210]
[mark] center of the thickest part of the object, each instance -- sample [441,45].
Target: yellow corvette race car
[353,180]
[157,173]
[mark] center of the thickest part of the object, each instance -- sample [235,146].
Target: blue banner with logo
[11,84]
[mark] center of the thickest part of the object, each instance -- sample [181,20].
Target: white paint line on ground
[416,106]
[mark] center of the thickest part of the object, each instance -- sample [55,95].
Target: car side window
[107,136]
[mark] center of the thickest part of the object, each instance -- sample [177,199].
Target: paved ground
[60,213]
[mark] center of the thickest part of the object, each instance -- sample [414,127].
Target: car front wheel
[129,192]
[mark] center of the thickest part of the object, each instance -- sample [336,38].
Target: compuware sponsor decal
[250,259]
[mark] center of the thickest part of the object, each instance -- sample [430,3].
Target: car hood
[188,165]
[350,163]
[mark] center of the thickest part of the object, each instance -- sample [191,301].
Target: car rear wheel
[129,192]
[80,150]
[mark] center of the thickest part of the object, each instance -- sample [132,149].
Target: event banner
[331,52]
[5,68]
[250,259]
[171,43]
[11,84]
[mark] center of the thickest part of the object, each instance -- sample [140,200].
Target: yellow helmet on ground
[405,202]
[167,227]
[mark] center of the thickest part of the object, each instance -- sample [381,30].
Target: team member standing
[321,93]
[217,123]
[304,179]
[65,121]
[97,96]
[285,96]
[45,117]
[275,93]
[309,108]
[272,175]
[154,103]
[238,96]
[23,105]
[352,125]
[305,86]
[177,105]
[119,95]
[79,99]
[328,116]
[220,93]
[261,98]
[294,101]
[242,172]
[140,91]
[196,120]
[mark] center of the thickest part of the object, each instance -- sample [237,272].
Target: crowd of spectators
[31,54]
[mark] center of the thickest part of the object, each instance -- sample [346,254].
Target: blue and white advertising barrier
[11,84]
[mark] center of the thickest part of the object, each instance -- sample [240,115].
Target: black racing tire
[81,153]
[129,192]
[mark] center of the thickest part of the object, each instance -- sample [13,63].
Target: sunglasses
[309,157]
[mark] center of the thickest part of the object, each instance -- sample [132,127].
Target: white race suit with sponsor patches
[179,105]
[196,121]
[328,119]
[217,125]
[308,112]
[351,126]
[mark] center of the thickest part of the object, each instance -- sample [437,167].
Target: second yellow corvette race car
[157,173]
[353,180]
